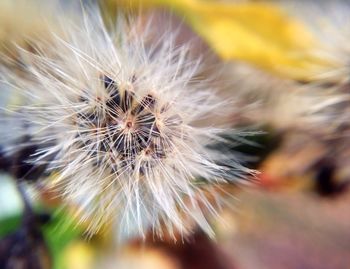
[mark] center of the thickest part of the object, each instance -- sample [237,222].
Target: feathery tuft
[123,118]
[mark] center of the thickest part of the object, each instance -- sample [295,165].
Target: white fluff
[329,22]
[125,117]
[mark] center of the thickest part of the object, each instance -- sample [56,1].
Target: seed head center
[129,124]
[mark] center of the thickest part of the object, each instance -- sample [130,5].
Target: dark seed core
[130,127]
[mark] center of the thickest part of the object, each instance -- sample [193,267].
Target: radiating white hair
[329,23]
[123,114]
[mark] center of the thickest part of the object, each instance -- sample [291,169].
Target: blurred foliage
[58,233]
[9,224]
[259,33]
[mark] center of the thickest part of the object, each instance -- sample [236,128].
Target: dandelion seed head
[124,116]
[284,105]
[329,23]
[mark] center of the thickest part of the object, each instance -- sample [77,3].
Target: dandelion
[280,103]
[123,117]
[320,139]
[329,23]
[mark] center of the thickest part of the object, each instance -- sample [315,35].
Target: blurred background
[289,76]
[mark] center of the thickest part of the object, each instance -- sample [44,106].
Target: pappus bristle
[124,116]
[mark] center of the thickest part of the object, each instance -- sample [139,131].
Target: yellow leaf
[259,33]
